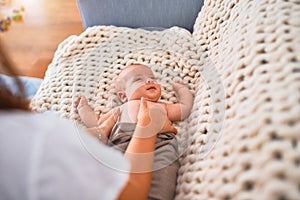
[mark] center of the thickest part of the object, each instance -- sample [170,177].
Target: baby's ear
[122,96]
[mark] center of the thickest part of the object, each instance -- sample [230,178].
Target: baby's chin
[152,99]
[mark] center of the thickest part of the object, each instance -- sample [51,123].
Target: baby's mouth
[151,88]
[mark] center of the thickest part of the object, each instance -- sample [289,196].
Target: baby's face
[140,82]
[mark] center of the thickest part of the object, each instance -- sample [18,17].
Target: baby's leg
[86,113]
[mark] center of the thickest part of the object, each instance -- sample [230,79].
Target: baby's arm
[182,109]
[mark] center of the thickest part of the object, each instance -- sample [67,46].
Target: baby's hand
[178,84]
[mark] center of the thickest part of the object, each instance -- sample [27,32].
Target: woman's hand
[104,128]
[153,119]
[168,127]
[156,115]
[107,124]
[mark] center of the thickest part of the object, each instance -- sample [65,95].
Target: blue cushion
[31,84]
[140,13]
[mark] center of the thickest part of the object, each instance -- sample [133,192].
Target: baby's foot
[81,102]
[85,112]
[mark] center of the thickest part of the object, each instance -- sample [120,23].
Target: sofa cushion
[140,13]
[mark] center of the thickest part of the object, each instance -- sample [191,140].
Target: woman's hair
[8,100]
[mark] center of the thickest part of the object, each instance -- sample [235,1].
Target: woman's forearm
[140,153]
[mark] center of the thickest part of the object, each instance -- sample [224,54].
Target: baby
[133,83]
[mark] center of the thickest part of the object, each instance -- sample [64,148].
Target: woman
[44,156]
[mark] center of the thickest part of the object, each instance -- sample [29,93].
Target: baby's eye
[138,79]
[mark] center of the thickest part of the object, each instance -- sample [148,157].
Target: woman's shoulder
[25,116]
[44,145]
[32,123]
[35,127]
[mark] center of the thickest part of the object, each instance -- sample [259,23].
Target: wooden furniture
[31,43]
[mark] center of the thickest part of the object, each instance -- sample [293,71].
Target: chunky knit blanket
[242,62]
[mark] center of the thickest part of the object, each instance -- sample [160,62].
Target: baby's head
[137,81]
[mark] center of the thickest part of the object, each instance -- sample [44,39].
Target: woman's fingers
[116,114]
[108,123]
[168,127]
[143,115]
[151,118]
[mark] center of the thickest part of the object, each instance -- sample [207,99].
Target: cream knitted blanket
[241,140]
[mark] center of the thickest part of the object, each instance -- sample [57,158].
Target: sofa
[240,59]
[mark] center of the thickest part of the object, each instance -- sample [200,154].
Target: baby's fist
[178,84]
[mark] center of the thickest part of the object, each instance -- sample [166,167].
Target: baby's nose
[149,80]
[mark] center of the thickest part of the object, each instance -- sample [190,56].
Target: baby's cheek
[132,90]
[129,93]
